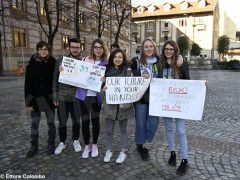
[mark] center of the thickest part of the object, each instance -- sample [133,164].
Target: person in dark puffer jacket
[38,95]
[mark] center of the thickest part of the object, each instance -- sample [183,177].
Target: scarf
[113,72]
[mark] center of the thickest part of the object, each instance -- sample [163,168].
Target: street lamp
[82,41]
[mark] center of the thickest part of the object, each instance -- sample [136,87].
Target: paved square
[214,142]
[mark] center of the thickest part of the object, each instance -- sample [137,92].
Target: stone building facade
[21,30]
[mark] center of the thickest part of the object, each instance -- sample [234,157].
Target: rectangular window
[165,36]
[165,25]
[138,31]
[20,37]
[200,34]
[19,4]
[93,22]
[150,25]
[65,39]
[41,8]
[182,23]
[65,13]
[43,36]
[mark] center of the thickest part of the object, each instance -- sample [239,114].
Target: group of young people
[43,93]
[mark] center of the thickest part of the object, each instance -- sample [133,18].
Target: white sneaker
[76,145]
[94,151]
[108,156]
[121,158]
[60,148]
[86,152]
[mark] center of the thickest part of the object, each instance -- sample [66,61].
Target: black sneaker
[145,154]
[182,169]
[50,151]
[32,152]
[172,159]
[139,148]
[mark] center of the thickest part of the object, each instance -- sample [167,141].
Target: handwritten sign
[81,74]
[177,98]
[122,90]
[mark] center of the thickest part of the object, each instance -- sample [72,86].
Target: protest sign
[177,98]
[81,74]
[122,90]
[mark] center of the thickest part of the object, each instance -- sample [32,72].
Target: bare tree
[122,12]
[74,16]
[73,7]
[100,10]
[52,12]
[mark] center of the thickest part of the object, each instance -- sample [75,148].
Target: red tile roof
[176,9]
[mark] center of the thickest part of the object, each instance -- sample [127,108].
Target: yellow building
[198,20]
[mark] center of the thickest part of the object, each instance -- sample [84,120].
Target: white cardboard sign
[122,90]
[81,74]
[177,98]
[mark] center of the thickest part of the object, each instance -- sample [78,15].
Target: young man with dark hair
[64,99]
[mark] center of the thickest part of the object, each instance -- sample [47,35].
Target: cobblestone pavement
[214,142]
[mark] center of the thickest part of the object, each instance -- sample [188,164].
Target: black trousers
[90,110]
[36,116]
[64,109]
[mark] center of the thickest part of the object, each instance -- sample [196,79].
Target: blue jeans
[146,126]
[180,126]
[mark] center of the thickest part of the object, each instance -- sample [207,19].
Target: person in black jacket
[38,95]
[169,69]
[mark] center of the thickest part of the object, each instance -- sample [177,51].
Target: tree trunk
[118,33]
[50,42]
[1,56]
[99,26]
[77,19]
